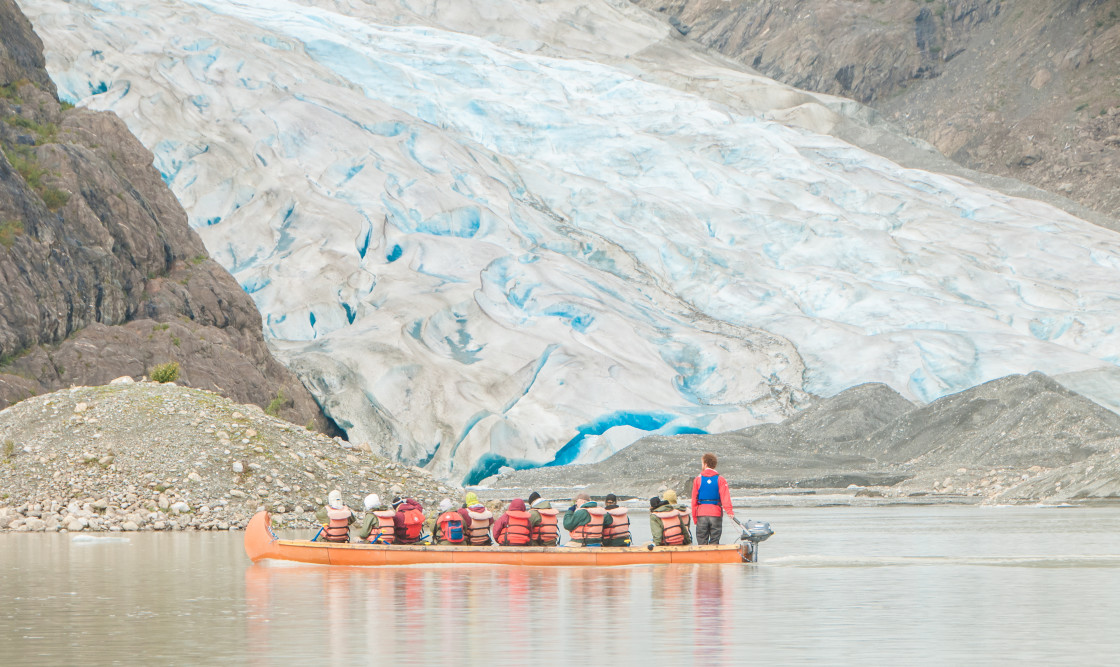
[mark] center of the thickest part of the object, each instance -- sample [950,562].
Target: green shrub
[55,198]
[24,161]
[9,448]
[9,230]
[46,133]
[277,403]
[10,91]
[168,372]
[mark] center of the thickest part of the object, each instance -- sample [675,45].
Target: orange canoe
[262,543]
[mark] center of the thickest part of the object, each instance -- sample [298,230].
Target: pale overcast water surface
[836,586]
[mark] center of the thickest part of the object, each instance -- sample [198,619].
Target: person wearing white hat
[377,524]
[336,518]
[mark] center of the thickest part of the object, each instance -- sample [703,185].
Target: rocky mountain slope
[1016,439]
[1028,89]
[100,275]
[146,456]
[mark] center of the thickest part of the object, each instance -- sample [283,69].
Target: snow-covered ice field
[506,232]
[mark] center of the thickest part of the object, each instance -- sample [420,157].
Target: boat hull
[262,544]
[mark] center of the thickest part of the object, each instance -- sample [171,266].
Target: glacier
[517,233]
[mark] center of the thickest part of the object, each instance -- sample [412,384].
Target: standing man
[710,499]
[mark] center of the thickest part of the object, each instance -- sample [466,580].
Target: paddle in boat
[261,543]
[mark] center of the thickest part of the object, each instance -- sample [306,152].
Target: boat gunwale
[262,543]
[502,549]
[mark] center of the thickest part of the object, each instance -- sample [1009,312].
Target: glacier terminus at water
[502,232]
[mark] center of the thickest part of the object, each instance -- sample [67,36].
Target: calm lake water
[898,585]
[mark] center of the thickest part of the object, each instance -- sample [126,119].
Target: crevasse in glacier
[540,241]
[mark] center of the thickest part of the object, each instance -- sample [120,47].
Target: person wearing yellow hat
[476,520]
[670,496]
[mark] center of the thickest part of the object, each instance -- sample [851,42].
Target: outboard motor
[753,533]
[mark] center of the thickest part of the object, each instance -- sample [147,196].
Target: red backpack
[413,523]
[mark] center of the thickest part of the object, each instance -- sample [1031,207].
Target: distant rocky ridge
[1025,90]
[100,274]
[146,456]
[1013,440]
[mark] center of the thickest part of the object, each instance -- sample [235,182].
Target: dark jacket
[517,505]
[398,521]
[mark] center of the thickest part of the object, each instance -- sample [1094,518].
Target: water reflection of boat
[261,543]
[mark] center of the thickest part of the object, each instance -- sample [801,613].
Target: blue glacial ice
[491,233]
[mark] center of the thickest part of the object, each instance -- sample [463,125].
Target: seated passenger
[665,523]
[670,496]
[512,528]
[584,522]
[544,528]
[336,519]
[449,529]
[477,520]
[617,533]
[408,521]
[378,525]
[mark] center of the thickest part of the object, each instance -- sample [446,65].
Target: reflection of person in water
[711,616]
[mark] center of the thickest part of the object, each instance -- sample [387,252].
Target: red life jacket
[450,527]
[338,528]
[516,532]
[413,524]
[591,533]
[547,532]
[620,525]
[672,533]
[385,531]
[480,526]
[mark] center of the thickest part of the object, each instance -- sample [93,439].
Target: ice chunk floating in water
[491,233]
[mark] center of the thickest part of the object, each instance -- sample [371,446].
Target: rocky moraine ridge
[1019,439]
[146,456]
[100,274]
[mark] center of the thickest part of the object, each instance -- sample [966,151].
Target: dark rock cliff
[100,274]
[1026,89]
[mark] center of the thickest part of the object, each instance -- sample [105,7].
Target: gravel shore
[146,456]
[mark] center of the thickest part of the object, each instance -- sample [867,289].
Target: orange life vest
[671,533]
[516,532]
[413,524]
[620,525]
[591,533]
[384,531]
[338,528]
[480,526]
[449,527]
[547,532]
